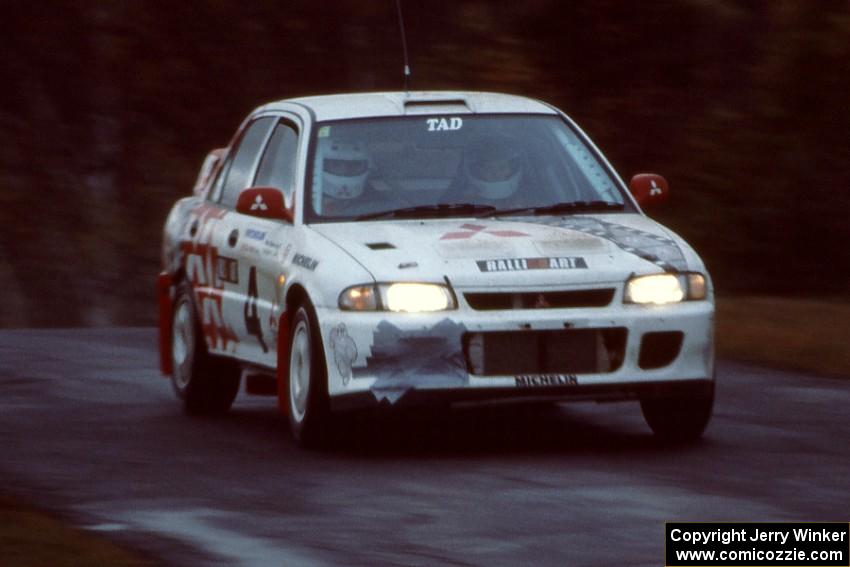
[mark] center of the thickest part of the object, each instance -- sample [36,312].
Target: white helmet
[345,167]
[494,166]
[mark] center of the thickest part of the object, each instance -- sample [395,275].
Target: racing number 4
[252,318]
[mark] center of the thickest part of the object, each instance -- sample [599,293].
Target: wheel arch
[309,428]
[296,295]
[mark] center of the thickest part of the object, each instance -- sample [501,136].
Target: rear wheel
[308,383]
[206,384]
[679,419]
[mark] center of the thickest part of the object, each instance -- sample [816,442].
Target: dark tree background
[108,108]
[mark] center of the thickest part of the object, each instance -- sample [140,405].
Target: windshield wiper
[567,207]
[438,210]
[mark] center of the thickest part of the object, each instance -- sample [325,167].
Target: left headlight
[659,289]
[403,296]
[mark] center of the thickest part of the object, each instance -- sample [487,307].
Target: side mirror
[649,189]
[265,203]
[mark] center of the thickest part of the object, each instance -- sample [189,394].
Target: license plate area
[569,351]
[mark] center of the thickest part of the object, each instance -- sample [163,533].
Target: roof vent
[436,106]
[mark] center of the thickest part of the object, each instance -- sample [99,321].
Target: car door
[260,247]
[218,292]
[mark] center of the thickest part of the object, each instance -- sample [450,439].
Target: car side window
[277,166]
[242,165]
[215,189]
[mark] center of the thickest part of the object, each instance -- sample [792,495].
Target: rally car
[393,249]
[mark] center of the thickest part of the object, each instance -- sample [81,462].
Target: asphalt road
[89,428]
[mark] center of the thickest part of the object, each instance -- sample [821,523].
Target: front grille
[540,300]
[571,351]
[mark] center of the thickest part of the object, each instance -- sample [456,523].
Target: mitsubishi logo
[258,204]
[470,230]
[655,189]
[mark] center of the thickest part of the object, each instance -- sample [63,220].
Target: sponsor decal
[283,254]
[524,264]
[227,270]
[249,249]
[660,250]
[271,248]
[470,230]
[344,351]
[202,265]
[537,380]
[305,261]
[255,234]
[444,124]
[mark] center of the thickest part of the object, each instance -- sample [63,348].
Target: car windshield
[439,166]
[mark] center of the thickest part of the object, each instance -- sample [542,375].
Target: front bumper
[401,358]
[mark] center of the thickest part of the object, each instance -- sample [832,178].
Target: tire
[680,419]
[307,385]
[206,384]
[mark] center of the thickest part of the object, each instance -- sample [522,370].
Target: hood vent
[380,246]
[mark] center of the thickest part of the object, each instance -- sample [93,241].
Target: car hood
[526,251]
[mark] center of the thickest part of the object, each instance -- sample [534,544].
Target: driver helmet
[494,166]
[345,166]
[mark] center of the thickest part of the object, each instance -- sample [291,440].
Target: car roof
[368,105]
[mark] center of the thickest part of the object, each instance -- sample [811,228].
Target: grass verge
[29,538]
[799,333]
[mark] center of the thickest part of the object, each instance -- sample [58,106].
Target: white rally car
[390,249]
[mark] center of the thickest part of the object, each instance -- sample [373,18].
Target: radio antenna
[404,47]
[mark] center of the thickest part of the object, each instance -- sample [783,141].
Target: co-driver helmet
[494,166]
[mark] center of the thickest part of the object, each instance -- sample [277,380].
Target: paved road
[88,427]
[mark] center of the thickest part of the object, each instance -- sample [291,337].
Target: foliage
[109,108]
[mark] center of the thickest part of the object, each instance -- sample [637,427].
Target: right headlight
[409,297]
[661,289]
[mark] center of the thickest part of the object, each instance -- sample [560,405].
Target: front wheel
[679,419]
[308,384]
[206,384]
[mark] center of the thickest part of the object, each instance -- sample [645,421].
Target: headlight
[417,297]
[407,297]
[659,289]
